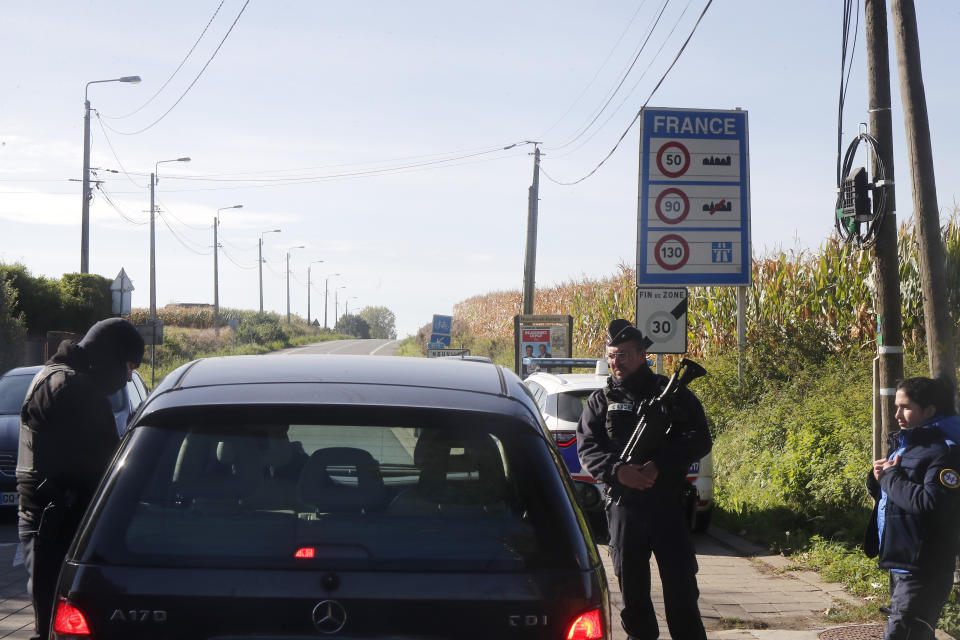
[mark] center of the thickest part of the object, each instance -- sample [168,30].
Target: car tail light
[69,621]
[564,438]
[305,552]
[587,626]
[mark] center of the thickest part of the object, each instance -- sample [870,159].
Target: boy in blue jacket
[913,528]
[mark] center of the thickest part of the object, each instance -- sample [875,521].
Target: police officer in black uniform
[650,515]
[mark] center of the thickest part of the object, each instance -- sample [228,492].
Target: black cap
[621,331]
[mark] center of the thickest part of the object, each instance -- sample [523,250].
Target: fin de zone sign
[694,202]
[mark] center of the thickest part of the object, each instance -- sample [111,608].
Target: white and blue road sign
[694,212]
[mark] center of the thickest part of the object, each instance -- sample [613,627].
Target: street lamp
[308,288]
[216,275]
[346,305]
[299,246]
[153,258]
[260,264]
[85,205]
[326,289]
[335,305]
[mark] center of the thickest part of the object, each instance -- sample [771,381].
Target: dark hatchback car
[13,390]
[295,496]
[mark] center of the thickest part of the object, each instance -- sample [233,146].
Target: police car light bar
[598,365]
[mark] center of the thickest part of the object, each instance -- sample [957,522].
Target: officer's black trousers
[42,558]
[661,528]
[915,603]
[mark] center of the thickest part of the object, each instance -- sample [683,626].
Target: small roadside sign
[446,353]
[152,334]
[662,317]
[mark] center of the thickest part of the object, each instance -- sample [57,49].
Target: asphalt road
[369,347]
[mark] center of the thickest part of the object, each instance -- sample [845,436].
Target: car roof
[24,371]
[343,380]
[566,382]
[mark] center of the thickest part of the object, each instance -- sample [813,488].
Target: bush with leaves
[12,331]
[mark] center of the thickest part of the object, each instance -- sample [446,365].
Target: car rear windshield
[464,494]
[568,405]
[13,391]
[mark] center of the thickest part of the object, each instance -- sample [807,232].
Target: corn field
[830,291]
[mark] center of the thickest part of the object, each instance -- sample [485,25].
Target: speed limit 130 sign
[662,317]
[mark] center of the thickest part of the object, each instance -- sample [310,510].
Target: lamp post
[154,179]
[85,205]
[308,288]
[216,274]
[336,307]
[326,289]
[299,246]
[260,263]
[346,305]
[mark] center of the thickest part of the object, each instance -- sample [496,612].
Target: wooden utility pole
[530,261]
[886,263]
[932,273]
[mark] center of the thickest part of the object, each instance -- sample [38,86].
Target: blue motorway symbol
[722,251]
[442,324]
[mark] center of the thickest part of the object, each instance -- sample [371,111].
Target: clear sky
[372,134]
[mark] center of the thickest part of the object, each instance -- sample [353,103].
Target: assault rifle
[653,420]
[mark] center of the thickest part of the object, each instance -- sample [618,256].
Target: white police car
[562,397]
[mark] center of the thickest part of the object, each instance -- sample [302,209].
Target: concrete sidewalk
[743,585]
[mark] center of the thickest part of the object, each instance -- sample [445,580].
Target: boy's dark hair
[931,391]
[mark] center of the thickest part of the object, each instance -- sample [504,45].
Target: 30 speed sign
[662,317]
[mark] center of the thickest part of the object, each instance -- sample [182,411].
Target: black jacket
[602,434]
[920,530]
[67,433]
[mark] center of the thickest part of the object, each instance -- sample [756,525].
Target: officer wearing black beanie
[67,437]
[650,515]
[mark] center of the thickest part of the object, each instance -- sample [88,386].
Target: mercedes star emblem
[329,616]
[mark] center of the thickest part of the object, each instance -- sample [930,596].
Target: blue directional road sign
[694,214]
[439,341]
[442,324]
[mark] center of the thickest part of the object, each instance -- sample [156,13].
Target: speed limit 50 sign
[662,317]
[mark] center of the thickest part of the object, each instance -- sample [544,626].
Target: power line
[630,126]
[175,71]
[844,83]
[632,89]
[179,239]
[460,153]
[226,253]
[349,174]
[198,227]
[115,156]
[116,207]
[273,271]
[623,79]
[267,182]
[595,75]
[190,86]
